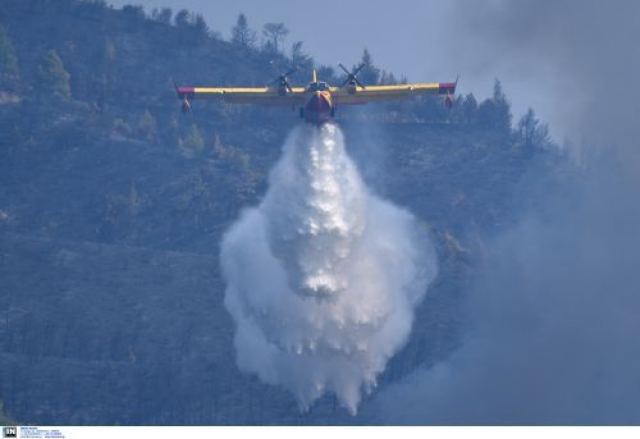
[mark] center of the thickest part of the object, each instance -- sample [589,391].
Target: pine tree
[369,74]
[495,113]
[327,73]
[162,15]
[387,78]
[200,26]
[274,34]
[241,34]
[133,16]
[530,133]
[468,108]
[502,108]
[181,19]
[193,28]
[298,57]
[52,78]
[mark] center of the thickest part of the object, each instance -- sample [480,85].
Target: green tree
[52,77]
[326,73]
[133,12]
[8,59]
[369,74]
[530,133]
[503,108]
[132,16]
[275,34]
[495,113]
[465,109]
[193,28]
[387,78]
[298,57]
[162,15]
[182,18]
[200,26]
[241,34]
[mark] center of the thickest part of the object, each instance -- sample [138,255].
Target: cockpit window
[318,86]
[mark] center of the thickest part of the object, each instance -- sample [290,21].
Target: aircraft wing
[377,93]
[243,95]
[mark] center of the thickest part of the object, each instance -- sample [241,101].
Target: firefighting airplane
[317,103]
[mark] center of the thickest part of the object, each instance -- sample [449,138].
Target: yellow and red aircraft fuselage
[317,103]
[319,108]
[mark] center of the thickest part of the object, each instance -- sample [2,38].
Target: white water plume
[322,277]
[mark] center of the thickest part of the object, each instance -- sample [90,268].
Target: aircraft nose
[320,98]
[318,103]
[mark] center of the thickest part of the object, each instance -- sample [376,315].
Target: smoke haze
[554,328]
[322,277]
[578,59]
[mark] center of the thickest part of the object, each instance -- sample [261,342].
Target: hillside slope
[113,204]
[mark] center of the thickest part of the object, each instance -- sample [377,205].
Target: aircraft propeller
[352,77]
[283,80]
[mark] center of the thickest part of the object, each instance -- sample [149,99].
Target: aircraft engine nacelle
[351,88]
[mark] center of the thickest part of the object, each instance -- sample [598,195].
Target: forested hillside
[113,204]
